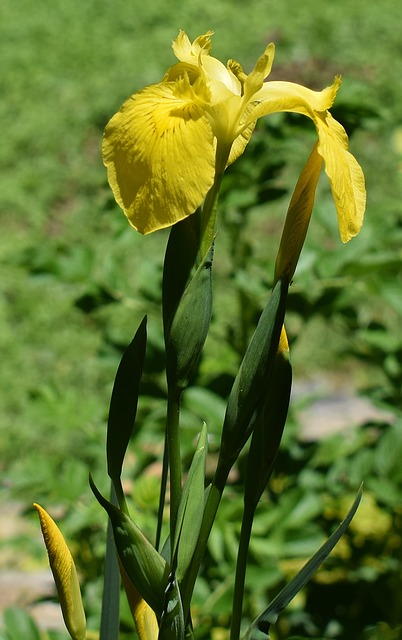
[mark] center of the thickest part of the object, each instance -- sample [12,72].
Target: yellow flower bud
[65,576]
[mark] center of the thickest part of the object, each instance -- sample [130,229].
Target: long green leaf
[245,401]
[259,629]
[123,406]
[191,509]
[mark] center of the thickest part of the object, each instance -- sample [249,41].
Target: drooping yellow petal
[65,576]
[345,175]
[159,151]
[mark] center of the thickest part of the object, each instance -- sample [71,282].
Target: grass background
[76,281]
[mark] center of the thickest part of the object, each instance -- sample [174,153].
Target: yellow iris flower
[170,141]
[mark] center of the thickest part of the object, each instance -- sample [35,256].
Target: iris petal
[275,96]
[159,151]
[345,175]
[186,51]
[262,69]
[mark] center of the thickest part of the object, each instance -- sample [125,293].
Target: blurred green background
[76,281]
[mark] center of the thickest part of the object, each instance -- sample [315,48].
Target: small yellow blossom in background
[65,576]
[168,143]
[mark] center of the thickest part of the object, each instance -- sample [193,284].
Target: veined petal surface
[159,151]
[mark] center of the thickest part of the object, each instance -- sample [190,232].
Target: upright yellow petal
[197,54]
[159,151]
[345,175]
[186,51]
[262,69]
[241,141]
[65,576]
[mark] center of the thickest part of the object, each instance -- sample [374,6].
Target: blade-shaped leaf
[259,629]
[143,564]
[191,509]
[123,406]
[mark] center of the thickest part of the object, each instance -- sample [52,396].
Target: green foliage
[18,624]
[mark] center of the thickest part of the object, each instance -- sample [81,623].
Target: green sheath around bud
[143,564]
[189,327]
[247,395]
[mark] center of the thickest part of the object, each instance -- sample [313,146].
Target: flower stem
[162,495]
[109,627]
[173,447]
[241,566]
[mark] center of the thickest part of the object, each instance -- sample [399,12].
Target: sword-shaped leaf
[123,407]
[259,629]
[191,509]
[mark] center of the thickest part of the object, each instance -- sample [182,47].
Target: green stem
[109,627]
[162,495]
[173,446]
[241,567]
